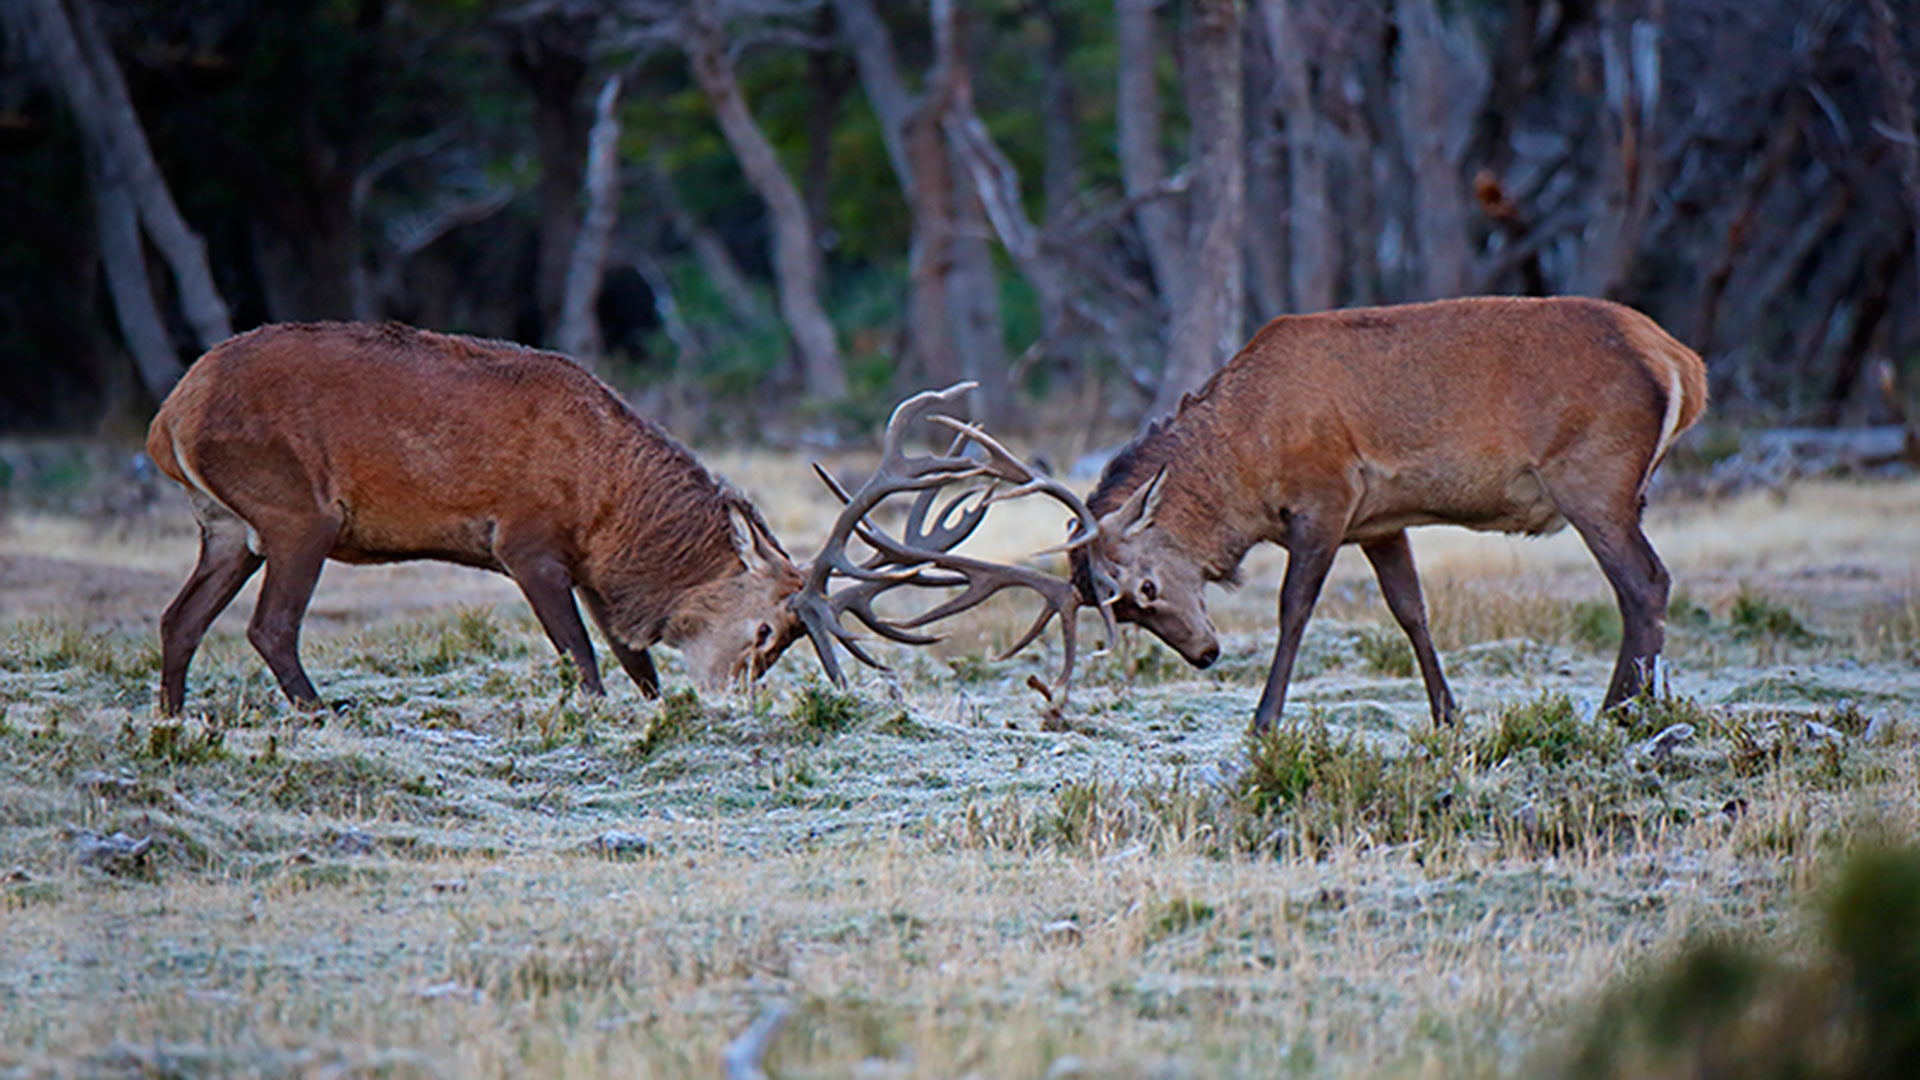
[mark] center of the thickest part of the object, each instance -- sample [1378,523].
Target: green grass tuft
[1386,651]
[1551,725]
[1755,617]
[820,710]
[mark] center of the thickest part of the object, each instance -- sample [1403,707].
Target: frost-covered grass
[469,869]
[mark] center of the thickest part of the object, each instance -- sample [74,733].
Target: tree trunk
[1630,57]
[1310,223]
[889,98]
[123,255]
[1142,167]
[973,308]
[579,326]
[1207,328]
[1266,191]
[932,352]
[1059,114]
[548,50]
[828,81]
[1897,75]
[83,66]
[796,258]
[953,311]
[1429,99]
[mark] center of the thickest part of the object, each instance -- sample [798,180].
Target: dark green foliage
[176,744]
[1726,1007]
[1756,616]
[1176,916]
[1596,623]
[1551,725]
[822,710]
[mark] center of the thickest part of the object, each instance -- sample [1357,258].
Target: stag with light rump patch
[299,443]
[1350,427]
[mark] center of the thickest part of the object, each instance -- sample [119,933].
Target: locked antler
[922,555]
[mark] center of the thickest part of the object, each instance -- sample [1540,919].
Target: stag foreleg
[224,566]
[548,586]
[638,663]
[1310,555]
[1392,559]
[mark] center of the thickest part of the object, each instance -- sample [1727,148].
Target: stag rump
[303,442]
[1349,427]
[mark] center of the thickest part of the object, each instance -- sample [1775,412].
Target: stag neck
[1207,516]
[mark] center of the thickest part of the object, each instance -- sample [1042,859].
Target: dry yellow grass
[470,873]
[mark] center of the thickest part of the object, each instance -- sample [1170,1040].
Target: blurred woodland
[728,207]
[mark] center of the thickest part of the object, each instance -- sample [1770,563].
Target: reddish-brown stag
[1349,427]
[303,442]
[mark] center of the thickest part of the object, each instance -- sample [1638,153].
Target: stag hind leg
[296,550]
[1392,559]
[225,564]
[1611,528]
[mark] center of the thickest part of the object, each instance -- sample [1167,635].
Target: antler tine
[897,472]
[1028,481]
[923,554]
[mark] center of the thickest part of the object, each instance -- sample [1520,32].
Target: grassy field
[469,870]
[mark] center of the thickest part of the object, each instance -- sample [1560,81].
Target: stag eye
[763,635]
[1149,592]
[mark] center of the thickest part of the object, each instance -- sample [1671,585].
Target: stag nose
[1205,660]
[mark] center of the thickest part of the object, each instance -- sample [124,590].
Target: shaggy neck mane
[673,534]
[1194,507]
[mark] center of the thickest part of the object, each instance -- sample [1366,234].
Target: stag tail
[1682,377]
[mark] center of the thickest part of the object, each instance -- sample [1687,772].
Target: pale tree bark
[954,309]
[796,257]
[1630,65]
[1207,328]
[1310,221]
[1435,69]
[123,255]
[932,351]
[78,59]
[579,326]
[1142,165]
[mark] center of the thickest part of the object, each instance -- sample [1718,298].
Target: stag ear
[1137,512]
[758,550]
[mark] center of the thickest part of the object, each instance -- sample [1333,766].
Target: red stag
[1348,427]
[303,442]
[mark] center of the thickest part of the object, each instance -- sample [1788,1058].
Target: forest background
[730,206]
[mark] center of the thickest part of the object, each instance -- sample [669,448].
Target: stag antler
[923,553]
